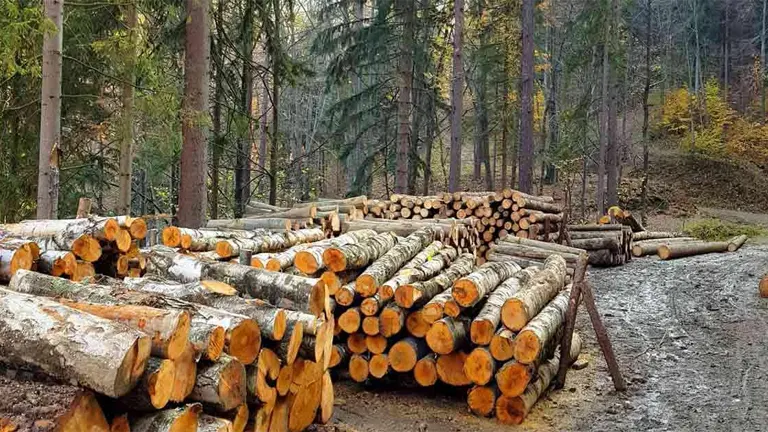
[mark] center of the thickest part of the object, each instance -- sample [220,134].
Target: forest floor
[689,334]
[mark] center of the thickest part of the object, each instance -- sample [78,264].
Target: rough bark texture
[192,186]
[419,293]
[485,323]
[358,255]
[220,384]
[415,270]
[526,105]
[457,97]
[525,304]
[530,343]
[469,290]
[251,224]
[392,260]
[50,115]
[735,243]
[70,345]
[179,419]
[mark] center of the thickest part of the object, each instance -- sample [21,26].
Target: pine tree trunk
[457,97]
[613,107]
[101,355]
[243,159]
[404,99]
[525,155]
[50,115]
[126,121]
[193,188]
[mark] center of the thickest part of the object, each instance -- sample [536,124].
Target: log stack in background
[607,244]
[494,215]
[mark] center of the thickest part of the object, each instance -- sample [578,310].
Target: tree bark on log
[532,340]
[654,235]
[310,260]
[401,228]
[56,263]
[179,419]
[251,224]
[486,322]
[424,265]
[671,251]
[531,252]
[100,354]
[419,293]
[512,410]
[29,405]
[358,255]
[525,304]
[541,245]
[226,248]
[469,290]
[651,247]
[220,384]
[611,243]
[12,260]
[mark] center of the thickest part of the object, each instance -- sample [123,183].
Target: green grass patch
[719,230]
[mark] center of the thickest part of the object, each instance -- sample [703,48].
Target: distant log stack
[607,245]
[493,215]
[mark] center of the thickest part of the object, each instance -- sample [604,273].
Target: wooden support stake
[570,319]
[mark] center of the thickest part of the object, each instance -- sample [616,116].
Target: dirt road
[692,339]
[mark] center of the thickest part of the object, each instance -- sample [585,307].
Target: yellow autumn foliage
[706,124]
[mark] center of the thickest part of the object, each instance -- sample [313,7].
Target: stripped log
[736,242]
[525,304]
[101,355]
[651,247]
[671,251]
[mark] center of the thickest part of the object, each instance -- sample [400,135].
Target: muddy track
[691,336]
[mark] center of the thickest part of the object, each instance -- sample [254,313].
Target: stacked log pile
[421,307]
[148,345]
[607,244]
[73,248]
[495,215]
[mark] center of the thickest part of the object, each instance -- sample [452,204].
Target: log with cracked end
[180,419]
[416,325]
[525,304]
[470,289]
[258,389]
[393,259]
[29,405]
[102,355]
[532,340]
[358,255]
[513,410]
[487,320]
[220,384]
[419,293]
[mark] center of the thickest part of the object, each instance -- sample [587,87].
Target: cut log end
[224,249]
[465,292]
[480,366]
[334,259]
[482,400]
[527,347]
[502,345]
[244,341]
[386,292]
[510,410]
[425,371]
[513,378]
[440,338]
[133,365]
[405,296]
[416,324]
[87,248]
[358,368]
[294,343]
[349,321]
[403,356]
[514,315]
[450,369]
[123,240]
[160,384]
[306,262]
[84,414]
[371,325]
[365,285]
[378,366]
[481,331]
[171,236]
[764,287]
[356,343]
[376,344]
